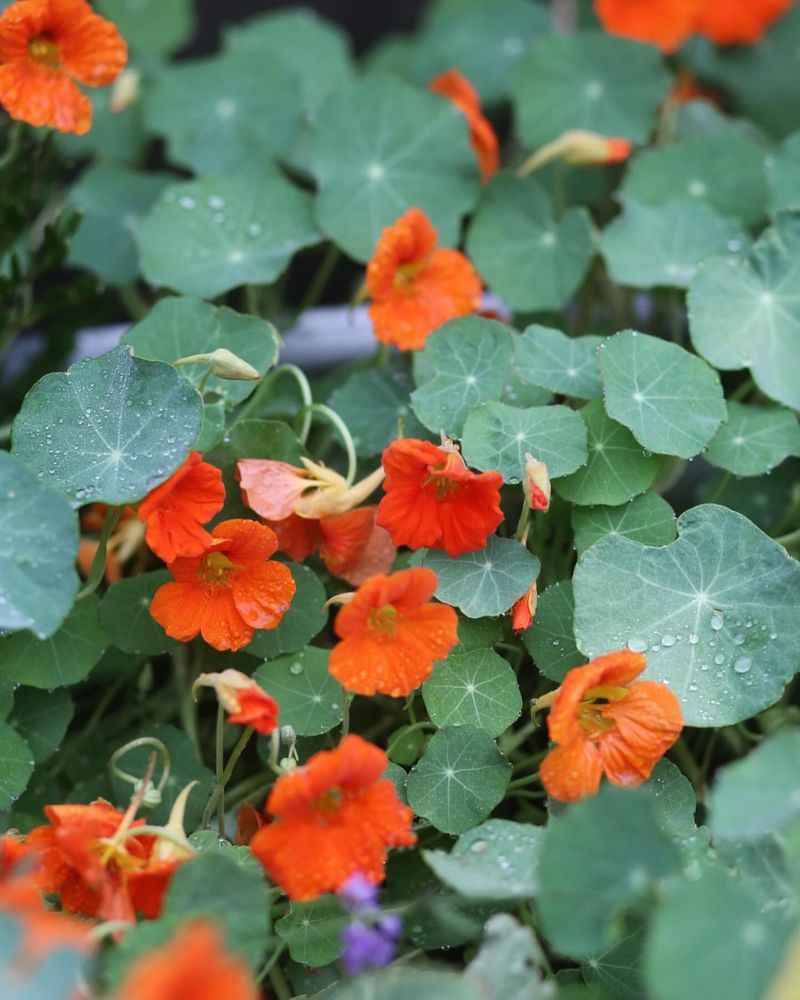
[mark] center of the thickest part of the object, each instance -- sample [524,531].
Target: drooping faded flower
[246,703]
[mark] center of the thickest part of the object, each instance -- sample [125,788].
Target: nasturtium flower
[47,45]
[739,23]
[228,592]
[536,483]
[246,702]
[432,500]
[174,512]
[523,610]
[391,634]
[580,148]
[456,88]
[664,23]
[416,286]
[604,721]
[334,816]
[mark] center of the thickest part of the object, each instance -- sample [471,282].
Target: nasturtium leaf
[478,689]
[112,199]
[109,428]
[467,361]
[745,314]
[151,27]
[398,777]
[650,245]
[551,640]
[754,439]
[496,860]
[374,405]
[18,762]
[125,613]
[213,428]
[478,633]
[766,865]
[310,699]
[313,931]
[407,983]
[648,519]
[509,965]
[304,619]
[714,611]
[179,327]
[207,236]
[382,147]
[532,260]
[596,858]
[460,778]
[208,841]
[783,176]
[38,580]
[41,718]
[65,657]
[486,582]
[590,81]
[518,392]
[550,358]
[616,971]
[7,689]
[617,468]
[674,799]
[54,975]
[669,399]
[497,436]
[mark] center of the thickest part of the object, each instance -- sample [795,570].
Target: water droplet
[742,665]
[738,639]
[719,658]
[637,645]
[296,668]
[479,847]
[187,202]
[667,640]
[717,620]
[694,639]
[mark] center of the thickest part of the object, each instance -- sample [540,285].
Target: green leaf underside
[564,364]
[304,619]
[754,439]
[18,765]
[41,719]
[151,27]
[551,640]
[313,931]
[478,688]
[374,405]
[648,519]
[310,699]
[125,612]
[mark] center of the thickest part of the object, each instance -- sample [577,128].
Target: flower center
[406,274]
[330,802]
[45,51]
[383,621]
[592,711]
[214,570]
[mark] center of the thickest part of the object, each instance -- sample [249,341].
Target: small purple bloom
[359,893]
[366,947]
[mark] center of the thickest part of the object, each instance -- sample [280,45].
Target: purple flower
[359,893]
[368,946]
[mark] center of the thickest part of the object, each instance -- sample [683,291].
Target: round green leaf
[486,582]
[41,718]
[213,429]
[304,619]
[111,428]
[591,81]
[497,436]
[648,519]
[38,581]
[310,699]
[17,768]
[66,657]
[745,314]
[478,633]
[564,364]
[125,612]
[313,931]
[783,176]
[151,27]
[715,612]
[669,399]
[400,983]
[459,780]
[754,439]
[478,689]
[617,468]
[382,147]
[208,236]
[532,260]
[374,405]
[466,362]
[674,799]
[551,640]
[180,327]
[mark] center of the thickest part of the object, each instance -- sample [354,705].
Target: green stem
[519,737]
[788,540]
[321,278]
[685,760]
[12,148]
[201,386]
[408,729]
[257,398]
[720,489]
[522,524]
[742,390]
[252,303]
[268,965]
[529,779]
[219,766]
[223,776]
[279,985]
[5,433]
[133,300]
[98,567]
[239,793]
[188,706]
[344,434]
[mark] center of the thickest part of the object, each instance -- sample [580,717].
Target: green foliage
[125,614]
[375,406]
[754,440]
[310,699]
[312,931]
[564,364]
[551,640]
[18,763]
[648,519]
[477,688]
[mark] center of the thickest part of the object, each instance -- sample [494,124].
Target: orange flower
[739,23]
[432,499]
[45,45]
[335,816]
[390,635]
[415,287]
[457,89]
[603,723]
[194,965]
[665,23]
[227,593]
[274,490]
[240,696]
[525,608]
[175,511]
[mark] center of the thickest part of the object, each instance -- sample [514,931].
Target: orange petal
[263,593]
[92,50]
[572,771]
[270,488]
[179,609]
[665,23]
[222,625]
[297,536]
[41,97]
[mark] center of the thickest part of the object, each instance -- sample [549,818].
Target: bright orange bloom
[391,635]
[739,23]
[665,23]
[176,511]
[45,46]
[240,696]
[335,816]
[229,592]
[432,499]
[416,286]
[524,609]
[457,89]
[603,723]
[194,965]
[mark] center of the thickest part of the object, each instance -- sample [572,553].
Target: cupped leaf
[18,763]
[754,439]
[313,931]
[208,236]
[42,718]
[38,581]
[477,688]
[550,358]
[374,405]
[551,639]
[125,613]
[109,428]
[151,27]
[648,519]
[714,612]
[674,799]
[304,619]
[532,260]
[669,399]
[310,699]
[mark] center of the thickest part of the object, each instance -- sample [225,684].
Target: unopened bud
[579,147]
[288,735]
[536,483]
[224,364]
[125,90]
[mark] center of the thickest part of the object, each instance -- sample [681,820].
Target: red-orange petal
[178,608]
[222,625]
[39,97]
[256,709]
[739,23]
[665,23]
[262,593]
[572,771]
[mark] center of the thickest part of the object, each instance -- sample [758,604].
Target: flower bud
[125,90]
[523,611]
[536,483]
[224,364]
[579,147]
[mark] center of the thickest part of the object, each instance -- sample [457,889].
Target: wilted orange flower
[524,609]
[274,490]
[457,89]
[603,723]
[391,635]
[194,965]
[665,23]
[416,286]
[229,592]
[433,500]
[335,816]
[240,696]
[176,511]
[739,23]
[45,46]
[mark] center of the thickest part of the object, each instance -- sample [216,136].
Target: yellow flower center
[406,274]
[383,620]
[214,570]
[45,52]
[592,715]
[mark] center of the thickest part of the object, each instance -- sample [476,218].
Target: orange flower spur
[739,23]
[47,45]
[604,721]
[247,704]
[334,816]
[433,500]
[457,89]
[391,634]
[229,592]
[665,23]
[416,286]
